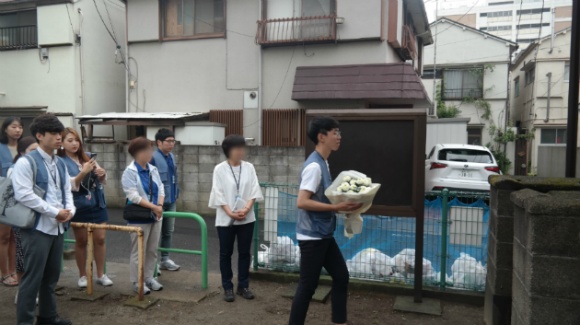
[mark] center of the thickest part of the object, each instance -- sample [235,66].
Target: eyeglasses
[338,133]
[169,141]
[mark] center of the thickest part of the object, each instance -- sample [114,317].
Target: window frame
[164,38]
[477,128]
[530,76]
[558,130]
[462,97]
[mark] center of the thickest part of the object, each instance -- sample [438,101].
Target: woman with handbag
[145,196]
[87,180]
[10,133]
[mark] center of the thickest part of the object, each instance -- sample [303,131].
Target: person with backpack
[87,180]
[43,244]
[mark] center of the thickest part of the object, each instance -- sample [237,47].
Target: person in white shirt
[234,190]
[43,244]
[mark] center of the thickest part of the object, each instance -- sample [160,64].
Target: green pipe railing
[202,252]
[444,228]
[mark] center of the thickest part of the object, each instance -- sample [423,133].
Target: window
[474,135]
[517,87]
[553,136]
[567,71]
[462,83]
[18,30]
[466,155]
[532,11]
[430,74]
[499,14]
[525,26]
[193,18]
[313,8]
[496,28]
[530,76]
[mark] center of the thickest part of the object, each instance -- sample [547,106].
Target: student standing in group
[10,132]
[234,190]
[142,186]
[87,179]
[164,160]
[25,146]
[316,224]
[43,245]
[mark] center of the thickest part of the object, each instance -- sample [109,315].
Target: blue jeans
[167,229]
[227,236]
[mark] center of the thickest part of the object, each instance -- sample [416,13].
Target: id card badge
[173,179]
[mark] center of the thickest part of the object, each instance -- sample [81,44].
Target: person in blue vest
[164,160]
[10,132]
[43,244]
[316,224]
[87,179]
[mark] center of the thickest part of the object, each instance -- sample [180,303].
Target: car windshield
[466,155]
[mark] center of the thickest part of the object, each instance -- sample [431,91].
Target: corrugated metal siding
[284,127]
[234,119]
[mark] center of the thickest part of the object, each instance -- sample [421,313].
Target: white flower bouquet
[352,186]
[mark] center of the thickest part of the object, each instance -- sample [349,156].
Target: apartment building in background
[518,21]
[472,66]
[257,65]
[539,100]
[58,56]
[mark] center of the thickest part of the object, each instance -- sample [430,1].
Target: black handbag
[136,213]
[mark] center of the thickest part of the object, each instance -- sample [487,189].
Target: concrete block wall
[195,166]
[546,266]
[500,274]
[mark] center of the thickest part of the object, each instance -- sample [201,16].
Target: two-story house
[257,64]
[466,71]
[58,56]
[539,98]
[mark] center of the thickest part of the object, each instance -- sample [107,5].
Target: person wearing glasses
[234,190]
[164,160]
[316,225]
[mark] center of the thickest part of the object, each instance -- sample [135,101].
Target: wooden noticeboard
[387,145]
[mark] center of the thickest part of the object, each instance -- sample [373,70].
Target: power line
[70,19]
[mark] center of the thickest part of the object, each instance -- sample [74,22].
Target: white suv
[459,167]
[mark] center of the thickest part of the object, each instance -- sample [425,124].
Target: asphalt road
[187,235]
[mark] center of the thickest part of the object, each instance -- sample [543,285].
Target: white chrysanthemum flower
[345,184]
[360,181]
[363,189]
[367,182]
[353,182]
[347,179]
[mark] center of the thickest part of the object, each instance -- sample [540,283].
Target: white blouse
[224,191]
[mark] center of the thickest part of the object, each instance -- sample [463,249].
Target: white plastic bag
[353,222]
[369,262]
[283,251]
[467,272]
[404,263]
[264,255]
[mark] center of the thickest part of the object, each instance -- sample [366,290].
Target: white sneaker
[154,285]
[104,281]
[146,290]
[169,265]
[82,282]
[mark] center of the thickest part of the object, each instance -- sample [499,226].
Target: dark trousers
[314,255]
[227,236]
[42,259]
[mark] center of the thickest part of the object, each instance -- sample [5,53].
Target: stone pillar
[498,292]
[546,266]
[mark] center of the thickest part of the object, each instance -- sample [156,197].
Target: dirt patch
[268,308]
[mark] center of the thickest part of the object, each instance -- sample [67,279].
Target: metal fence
[455,240]
[21,37]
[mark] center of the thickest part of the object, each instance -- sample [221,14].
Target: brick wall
[195,166]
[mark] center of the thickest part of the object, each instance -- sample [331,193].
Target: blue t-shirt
[144,176]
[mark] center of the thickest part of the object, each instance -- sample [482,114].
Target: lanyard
[52,172]
[237,180]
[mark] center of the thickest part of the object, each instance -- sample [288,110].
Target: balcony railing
[409,46]
[21,37]
[297,30]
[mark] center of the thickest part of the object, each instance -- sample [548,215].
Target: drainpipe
[551,29]
[433,111]
[260,88]
[549,75]
[81,67]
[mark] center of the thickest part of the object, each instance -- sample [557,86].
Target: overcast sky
[446,4]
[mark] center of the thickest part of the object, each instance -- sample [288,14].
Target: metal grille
[455,240]
[296,30]
[283,127]
[234,119]
[22,37]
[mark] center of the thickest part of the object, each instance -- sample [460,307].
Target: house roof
[524,54]
[142,118]
[394,83]
[417,10]
[475,30]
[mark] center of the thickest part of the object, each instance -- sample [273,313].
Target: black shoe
[229,295]
[246,293]
[52,321]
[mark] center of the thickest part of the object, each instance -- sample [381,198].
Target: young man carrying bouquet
[316,225]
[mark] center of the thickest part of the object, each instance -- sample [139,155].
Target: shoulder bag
[136,213]
[12,213]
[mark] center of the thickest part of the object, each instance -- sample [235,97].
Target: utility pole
[433,110]
[572,130]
